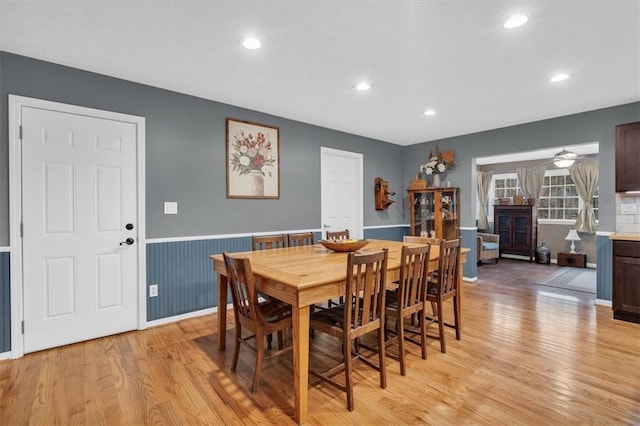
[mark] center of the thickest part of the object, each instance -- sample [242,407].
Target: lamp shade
[573,237]
[564,158]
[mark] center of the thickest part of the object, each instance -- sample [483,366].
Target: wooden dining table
[303,276]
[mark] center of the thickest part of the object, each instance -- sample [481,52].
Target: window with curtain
[505,185]
[559,200]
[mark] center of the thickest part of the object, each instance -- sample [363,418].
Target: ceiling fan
[564,158]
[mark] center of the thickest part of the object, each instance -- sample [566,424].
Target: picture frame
[253,160]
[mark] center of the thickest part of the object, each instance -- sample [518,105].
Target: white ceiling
[452,56]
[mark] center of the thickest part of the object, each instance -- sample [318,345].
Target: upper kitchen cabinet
[628,157]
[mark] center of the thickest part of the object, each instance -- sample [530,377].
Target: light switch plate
[170,207]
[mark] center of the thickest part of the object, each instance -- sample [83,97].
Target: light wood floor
[528,355]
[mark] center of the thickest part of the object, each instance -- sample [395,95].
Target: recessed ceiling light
[363,86]
[559,77]
[251,43]
[515,21]
[430,112]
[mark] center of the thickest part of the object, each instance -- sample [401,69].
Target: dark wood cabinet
[434,212]
[628,157]
[626,281]
[517,226]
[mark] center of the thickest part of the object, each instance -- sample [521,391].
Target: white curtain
[585,177]
[484,183]
[531,180]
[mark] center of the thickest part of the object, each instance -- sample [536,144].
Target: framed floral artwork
[253,160]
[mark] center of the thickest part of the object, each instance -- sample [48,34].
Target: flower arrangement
[251,153]
[439,162]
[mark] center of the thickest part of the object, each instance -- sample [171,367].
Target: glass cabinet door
[450,214]
[426,214]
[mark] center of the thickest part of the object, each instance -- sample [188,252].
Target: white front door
[79,207]
[341,191]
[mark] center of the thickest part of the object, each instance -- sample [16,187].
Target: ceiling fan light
[564,158]
[559,77]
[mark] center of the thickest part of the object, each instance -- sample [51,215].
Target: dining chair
[444,286]
[261,319]
[301,239]
[338,235]
[421,240]
[363,313]
[409,298]
[263,242]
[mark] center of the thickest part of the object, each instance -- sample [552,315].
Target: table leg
[222,312]
[301,361]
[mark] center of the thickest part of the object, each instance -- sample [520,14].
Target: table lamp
[573,237]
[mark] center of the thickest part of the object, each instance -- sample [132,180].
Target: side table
[578,260]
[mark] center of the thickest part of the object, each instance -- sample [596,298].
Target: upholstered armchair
[488,247]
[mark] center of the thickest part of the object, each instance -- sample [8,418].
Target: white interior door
[341,191]
[79,203]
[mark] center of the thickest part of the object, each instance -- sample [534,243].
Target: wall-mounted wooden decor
[382,194]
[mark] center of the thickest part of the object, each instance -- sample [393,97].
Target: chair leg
[443,347]
[401,353]
[236,348]
[259,357]
[456,316]
[280,340]
[423,332]
[382,358]
[346,352]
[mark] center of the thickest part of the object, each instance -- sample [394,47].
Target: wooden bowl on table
[344,245]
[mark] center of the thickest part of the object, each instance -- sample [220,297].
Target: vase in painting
[256,183]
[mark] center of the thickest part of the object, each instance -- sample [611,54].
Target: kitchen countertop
[629,236]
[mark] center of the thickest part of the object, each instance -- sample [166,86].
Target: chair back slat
[301,239]
[243,289]
[448,266]
[365,288]
[265,242]
[414,268]
[338,235]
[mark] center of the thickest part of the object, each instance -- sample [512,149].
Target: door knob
[128,241]
[129,226]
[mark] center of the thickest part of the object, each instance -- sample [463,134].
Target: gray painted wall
[592,126]
[185,154]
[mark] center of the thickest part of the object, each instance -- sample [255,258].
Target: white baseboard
[603,302]
[5,355]
[470,279]
[176,318]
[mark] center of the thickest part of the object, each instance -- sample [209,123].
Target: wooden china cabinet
[517,226]
[434,212]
